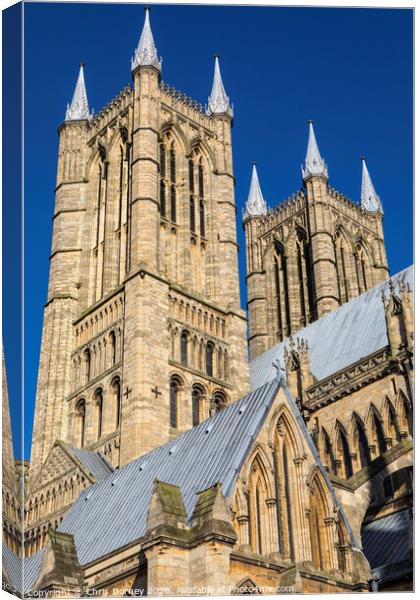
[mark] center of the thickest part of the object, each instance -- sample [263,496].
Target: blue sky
[348,69]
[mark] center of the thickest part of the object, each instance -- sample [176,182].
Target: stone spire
[255,205]
[78,110]
[314,164]
[369,199]
[145,54]
[218,103]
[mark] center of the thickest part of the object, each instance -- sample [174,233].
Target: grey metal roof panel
[12,565]
[22,573]
[212,452]
[386,541]
[337,340]
[32,565]
[94,462]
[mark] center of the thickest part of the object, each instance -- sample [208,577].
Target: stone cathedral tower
[310,254]
[143,333]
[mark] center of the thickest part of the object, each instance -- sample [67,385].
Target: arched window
[344,454]
[360,262]
[320,542]
[197,397]
[362,444]
[218,402]
[341,548]
[112,343]
[301,267]
[406,418]
[87,360]
[393,427]
[116,392]
[288,501]
[98,401]
[81,418]
[162,155]
[174,388]
[283,455]
[192,197]
[172,169]
[305,279]
[281,284]
[328,453]
[120,186]
[379,435]
[201,199]
[184,347]
[209,358]
[340,262]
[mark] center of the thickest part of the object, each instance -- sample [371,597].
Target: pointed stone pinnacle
[145,54]
[369,199]
[218,103]
[78,110]
[314,163]
[255,205]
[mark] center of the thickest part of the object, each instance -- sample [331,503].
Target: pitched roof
[337,340]
[118,504]
[386,541]
[94,462]
[22,574]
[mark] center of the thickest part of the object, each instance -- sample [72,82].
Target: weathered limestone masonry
[143,333]
[11,502]
[309,255]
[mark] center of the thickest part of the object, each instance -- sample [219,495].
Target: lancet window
[174,390]
[343,453]
[281,292]
[98,401]
[340,261]
[197,194]
[360,263]
[81,422]
[168,180]
[197,399]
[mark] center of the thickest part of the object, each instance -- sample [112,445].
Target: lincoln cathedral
[183,446]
